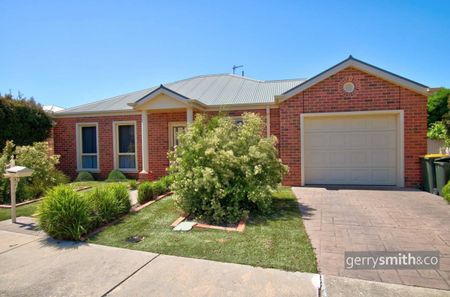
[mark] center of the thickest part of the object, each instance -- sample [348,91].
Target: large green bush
[222,171]
[446,192]
[36,157]
[64,214]
[437,106]
[116,175]
[22,121]
[84,176]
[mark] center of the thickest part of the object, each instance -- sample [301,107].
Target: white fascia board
[351,62]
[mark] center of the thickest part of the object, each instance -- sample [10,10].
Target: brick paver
[339,220]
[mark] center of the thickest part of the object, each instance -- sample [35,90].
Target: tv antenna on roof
[236,67]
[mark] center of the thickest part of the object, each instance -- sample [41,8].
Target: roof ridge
[287,79]
[105,99]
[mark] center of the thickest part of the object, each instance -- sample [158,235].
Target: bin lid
[442,160]
[435,156]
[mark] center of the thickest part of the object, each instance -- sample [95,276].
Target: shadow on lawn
[282,210]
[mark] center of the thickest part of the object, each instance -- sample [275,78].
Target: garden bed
[142,206]
[239,227]
[276,240]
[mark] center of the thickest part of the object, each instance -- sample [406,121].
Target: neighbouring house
[352,124]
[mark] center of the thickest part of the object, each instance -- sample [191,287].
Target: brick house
[352,124]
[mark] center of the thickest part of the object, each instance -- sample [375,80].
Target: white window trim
[116,125]
[79,146]
[171,125]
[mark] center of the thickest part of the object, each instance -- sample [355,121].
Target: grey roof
[216,89]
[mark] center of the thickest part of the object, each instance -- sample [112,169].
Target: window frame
[116,125]
[171,126]
[79,146]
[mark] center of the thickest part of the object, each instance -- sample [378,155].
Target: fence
[436,147]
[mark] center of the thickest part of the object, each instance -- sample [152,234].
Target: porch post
[144,126]
[268,121]
[189,115]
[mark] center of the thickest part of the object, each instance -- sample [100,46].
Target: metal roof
[214,90]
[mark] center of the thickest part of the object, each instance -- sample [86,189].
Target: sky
[72,52]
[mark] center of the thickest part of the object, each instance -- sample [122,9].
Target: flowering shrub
[36,157]
[222,171]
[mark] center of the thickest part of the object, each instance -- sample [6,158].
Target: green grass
[278,240]
[25,210]
[93,184]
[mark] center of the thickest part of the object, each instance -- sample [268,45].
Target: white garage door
[356,150]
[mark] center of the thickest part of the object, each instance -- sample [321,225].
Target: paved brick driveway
[339,220]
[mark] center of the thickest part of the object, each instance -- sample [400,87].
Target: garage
[352,149]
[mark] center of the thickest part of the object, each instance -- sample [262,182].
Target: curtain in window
[89,135]
[127,150]
[89,147]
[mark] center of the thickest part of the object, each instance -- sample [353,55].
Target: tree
[437,106]
[222,171]
[23,121]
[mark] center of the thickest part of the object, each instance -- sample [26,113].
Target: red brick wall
[371,93]
[158,140]
[65,143]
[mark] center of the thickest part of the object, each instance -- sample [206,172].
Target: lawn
[277,240]
[25,210]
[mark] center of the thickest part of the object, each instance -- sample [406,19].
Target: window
[87,146]
[175,129]
[125,146]
[238,121]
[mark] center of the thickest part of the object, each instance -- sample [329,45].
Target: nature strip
[240,227]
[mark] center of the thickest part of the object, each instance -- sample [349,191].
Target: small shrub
[64,214]
[145,192]
[167,182]
[121,194]
[104,205]
[84,176]
[132,184]
[116,175]
[446,192]
[159,188]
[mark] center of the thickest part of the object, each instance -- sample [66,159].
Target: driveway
[339,220]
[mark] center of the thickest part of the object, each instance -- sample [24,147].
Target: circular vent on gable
[349,87]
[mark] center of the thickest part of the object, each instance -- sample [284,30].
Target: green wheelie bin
[429,172]
[442,166]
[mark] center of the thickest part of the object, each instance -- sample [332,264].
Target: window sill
[128,170]
[89,170]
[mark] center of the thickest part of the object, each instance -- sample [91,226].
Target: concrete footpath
[34,265]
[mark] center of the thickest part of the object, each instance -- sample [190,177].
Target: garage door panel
[383,176]
[383,139]
[383,158]
[351,150]
[385,123]
[316,140]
